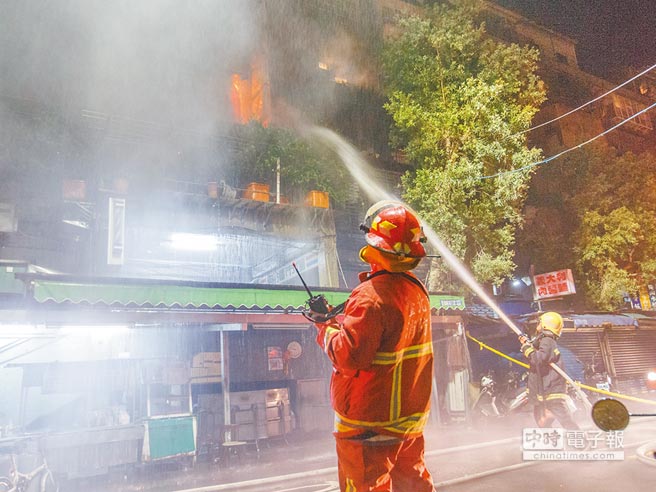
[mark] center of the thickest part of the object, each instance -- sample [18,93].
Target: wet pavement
[484,456]
[300,453]
[276,457]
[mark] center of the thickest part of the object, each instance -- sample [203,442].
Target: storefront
[157,370]
[619,344]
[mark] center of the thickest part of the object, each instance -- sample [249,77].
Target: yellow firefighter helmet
[552,322]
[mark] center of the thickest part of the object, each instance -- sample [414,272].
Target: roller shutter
[581,345]
[634,354]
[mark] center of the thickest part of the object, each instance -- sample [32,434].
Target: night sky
[610,33]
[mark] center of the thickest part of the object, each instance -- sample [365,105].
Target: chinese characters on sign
[553,284]
[644,298]
[556,444]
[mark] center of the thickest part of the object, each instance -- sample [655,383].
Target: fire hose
[575,384]
[562,373]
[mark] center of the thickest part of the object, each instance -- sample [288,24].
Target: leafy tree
[458,99]
[596,214]
[615,243]
[303,165]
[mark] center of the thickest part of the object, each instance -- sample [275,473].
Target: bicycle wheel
[6,485]
[47,482]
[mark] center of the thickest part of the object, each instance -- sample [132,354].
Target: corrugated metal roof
[481,310]
[601,319]
[573,320]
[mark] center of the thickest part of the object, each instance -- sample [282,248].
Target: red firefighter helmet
[393,228]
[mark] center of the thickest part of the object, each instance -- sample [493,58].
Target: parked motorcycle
[498,397]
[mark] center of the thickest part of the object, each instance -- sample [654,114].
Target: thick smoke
[135,85]
[160,60]
[155,76]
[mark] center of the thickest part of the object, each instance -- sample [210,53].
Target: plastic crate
[257,191]
[317,199]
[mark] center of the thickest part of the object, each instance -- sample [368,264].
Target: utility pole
[278,181]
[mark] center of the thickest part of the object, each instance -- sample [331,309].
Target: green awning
[186,296]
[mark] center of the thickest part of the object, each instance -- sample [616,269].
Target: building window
[624,108]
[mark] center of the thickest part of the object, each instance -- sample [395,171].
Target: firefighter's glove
[527,348]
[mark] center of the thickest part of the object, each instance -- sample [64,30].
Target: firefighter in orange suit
[547,389]
[382,357]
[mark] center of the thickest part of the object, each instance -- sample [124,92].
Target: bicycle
[40,479]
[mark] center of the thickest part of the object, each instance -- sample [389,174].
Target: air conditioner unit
[7,217]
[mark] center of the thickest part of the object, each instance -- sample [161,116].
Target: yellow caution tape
[482,346]
[615,395]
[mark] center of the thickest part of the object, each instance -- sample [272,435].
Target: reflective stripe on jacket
[382,356]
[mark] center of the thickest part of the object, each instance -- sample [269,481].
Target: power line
[549,159]
[584,105]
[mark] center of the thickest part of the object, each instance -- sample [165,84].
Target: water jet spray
[362,172]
